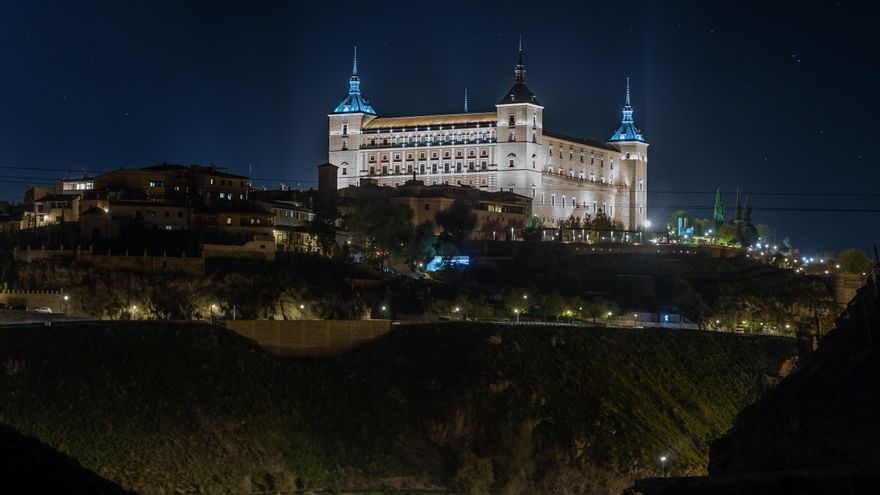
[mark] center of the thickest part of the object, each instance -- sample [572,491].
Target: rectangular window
[157,183]
[511,120]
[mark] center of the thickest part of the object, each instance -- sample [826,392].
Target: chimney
[327,189]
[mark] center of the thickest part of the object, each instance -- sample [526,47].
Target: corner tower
[346,123]
[520,124]
[633,147]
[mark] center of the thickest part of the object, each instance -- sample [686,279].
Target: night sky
[767,97]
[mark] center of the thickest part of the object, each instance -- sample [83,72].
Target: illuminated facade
[504,150]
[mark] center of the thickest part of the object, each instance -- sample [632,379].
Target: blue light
[439,262]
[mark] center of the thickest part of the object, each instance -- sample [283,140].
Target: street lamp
[213,308]
[64,303]
[516,312]
[384,309]
[663,464]
[302,308]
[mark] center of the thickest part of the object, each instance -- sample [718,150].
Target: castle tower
[520,126]
[346,123]
[633,163]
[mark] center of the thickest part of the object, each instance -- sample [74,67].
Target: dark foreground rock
[818,431]
[30,466]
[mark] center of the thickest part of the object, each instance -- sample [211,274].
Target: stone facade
[504,150]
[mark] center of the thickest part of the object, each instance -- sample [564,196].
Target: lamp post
[213,307]
[516,312]
[64,303]
[302,308]
[384,310]
[663,465]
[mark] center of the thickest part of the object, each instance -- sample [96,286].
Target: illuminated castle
[507,149]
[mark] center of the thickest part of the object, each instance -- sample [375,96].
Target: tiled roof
[425,121]
[595,143]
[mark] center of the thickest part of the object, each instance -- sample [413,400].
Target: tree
[738,212]
[747,209]
[702,226]
[718,213]
[599,308]
[322,229]
[381,229]
[853,261]
[551,304]
[728,233]
[532,232]
[457,221]
[424,245]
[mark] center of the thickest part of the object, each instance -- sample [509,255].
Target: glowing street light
[516,312]
[663,460]
[647,224]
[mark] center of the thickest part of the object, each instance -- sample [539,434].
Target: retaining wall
[34,299]
[310,338]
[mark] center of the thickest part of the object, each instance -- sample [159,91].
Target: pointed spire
[354,65]
[520,70]
[628,130]
[465,101]
[627,108]
[627,81]
[355,102]
[520,49]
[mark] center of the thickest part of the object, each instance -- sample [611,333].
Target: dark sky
[767,97]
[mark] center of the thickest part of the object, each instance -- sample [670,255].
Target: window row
[484,153]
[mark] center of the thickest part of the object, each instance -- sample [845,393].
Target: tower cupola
[355,101]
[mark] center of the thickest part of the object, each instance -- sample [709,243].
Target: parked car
[42,309]
[18,307]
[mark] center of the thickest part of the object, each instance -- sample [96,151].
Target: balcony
[589,181]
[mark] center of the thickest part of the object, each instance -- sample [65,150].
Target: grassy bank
[166,406]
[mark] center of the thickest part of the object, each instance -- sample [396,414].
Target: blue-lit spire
[465,101]
[354,102]
[354,68]
[628,130]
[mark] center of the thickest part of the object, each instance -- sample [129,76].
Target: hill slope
[165,406]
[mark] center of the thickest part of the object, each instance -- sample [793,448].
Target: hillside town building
[505,150]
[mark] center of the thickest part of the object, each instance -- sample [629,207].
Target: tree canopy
[457,221]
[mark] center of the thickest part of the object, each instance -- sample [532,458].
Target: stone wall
[310,338]
[151,264]
[34,299]
[845,285]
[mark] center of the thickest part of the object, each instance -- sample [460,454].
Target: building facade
[505,150]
